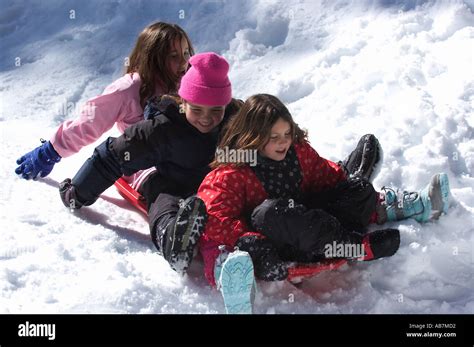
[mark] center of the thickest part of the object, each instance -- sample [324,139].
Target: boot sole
[368,167]
[236,283]
[439,194]
[189,226]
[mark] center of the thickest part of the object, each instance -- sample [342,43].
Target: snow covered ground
[402,70]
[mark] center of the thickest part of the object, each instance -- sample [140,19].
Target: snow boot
[362,161]
[380,244]
[177,236]
[423,206]
[235,280]
[69,195]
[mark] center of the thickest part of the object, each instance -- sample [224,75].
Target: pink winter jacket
[119,104]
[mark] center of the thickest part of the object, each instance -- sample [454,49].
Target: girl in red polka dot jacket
[288,204]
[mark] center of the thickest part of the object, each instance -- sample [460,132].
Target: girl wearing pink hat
[179,139]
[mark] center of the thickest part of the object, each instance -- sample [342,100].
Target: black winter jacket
[180,153]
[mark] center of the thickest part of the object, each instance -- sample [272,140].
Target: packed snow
[402,70]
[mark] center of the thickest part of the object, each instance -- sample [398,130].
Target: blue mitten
[39,161]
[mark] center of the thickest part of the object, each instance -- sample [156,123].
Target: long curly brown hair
[149,58]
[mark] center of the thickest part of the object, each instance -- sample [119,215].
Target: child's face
[280,141]
[204,118]
[178,57]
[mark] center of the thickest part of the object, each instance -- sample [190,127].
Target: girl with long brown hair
[155,66]
[291,206]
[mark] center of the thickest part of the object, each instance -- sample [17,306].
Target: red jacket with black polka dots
[232,193]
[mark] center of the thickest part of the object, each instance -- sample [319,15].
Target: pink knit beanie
[206,82]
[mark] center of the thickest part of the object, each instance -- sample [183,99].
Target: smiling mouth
[281,151]
[205,125]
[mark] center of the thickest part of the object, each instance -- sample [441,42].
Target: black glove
[267,264]
[382,243]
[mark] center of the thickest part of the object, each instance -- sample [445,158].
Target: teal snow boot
[235,280]
[423,206]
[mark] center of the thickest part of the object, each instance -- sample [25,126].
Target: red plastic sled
[295,273]
[301,271]
[131,195]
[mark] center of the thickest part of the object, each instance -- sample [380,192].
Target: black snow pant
[301,232]
[162,197]
[100,172]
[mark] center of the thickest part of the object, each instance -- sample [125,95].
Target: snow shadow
[94,217]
